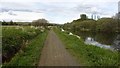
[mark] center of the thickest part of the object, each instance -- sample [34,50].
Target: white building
[119,7]
[95,16]
[118,10]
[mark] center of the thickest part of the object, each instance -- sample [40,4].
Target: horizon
[55,11]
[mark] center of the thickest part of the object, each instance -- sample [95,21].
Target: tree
[88,25]
[40,22]
[11,22]
[106,25]
[83,17]
[35,23]
[4,23]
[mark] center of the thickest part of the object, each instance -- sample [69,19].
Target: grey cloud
[15,6]
[90,9]
[12,13]
[22,10]
[4,10]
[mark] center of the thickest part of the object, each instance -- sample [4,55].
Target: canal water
[105,40]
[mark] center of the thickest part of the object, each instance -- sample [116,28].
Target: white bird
[70,33]
[62,30]
[77,36]
[89,38]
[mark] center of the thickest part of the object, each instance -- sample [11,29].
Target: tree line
[86,24]
[36,23]
[12,23]
[9,23]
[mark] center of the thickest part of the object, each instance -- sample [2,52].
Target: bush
[15,38]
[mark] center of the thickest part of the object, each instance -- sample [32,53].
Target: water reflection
[106,40]
[116,43]
[90,41]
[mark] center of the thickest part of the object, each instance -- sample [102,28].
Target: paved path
[55,54]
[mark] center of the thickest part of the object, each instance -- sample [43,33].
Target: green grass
[14,38]
[88,55]
[0,42]
[29,56]
[0,31]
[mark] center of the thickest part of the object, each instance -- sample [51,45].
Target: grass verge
[30,55]
[88,55]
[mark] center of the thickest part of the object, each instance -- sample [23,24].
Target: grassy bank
[29,56]
[88,55]
[15,38]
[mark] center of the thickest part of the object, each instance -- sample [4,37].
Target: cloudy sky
[55,11]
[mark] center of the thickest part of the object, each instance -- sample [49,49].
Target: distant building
[116,16]
[98,17]
[92,16]
[119,7]
[95,16]
[118,10]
